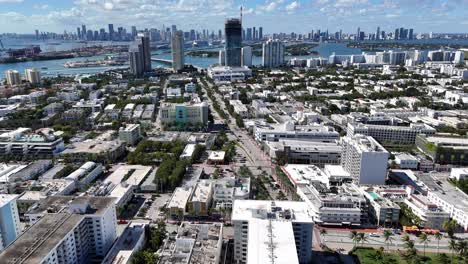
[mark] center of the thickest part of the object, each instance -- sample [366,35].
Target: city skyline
[24,16]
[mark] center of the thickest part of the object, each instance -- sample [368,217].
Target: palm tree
[405,238]
[450,226]
[462,247]
[438,236]
[424,237]
[354,236]
[362,238]
[452,246]
[388,238]
[323,232]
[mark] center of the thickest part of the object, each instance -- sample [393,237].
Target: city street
[335,239]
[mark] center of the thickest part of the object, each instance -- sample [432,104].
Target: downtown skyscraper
[177,46]
[140,55]
[233,46]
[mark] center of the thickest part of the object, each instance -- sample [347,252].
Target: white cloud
[11,1]
[293,6]
[41,7]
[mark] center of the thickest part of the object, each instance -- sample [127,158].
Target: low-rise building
[288,130]
[177,206]
[130,134]
[402,135]
[193,244]
[431,215]
[188,113]
[459,174]
[24,142]
[382,211]
[229,74]
[444,149]
[406,161]
[304,152]
[200,201]
[345,206]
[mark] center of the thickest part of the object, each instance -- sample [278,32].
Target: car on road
[374,235]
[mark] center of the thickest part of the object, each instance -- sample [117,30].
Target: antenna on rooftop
[241,14]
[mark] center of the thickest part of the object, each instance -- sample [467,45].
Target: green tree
[424,238]
[354,236]
[388,235]
[144,257]
[363,238]
[323,232]
[450,226]
[438,236]
[452,246]
[462,248]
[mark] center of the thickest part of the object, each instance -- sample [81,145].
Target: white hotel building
[365,159]
[272,232]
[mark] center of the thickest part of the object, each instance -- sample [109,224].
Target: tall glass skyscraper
[233,46]
[177,45]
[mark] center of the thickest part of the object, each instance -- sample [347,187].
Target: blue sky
[23,16]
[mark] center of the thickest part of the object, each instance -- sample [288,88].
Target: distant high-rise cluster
[250,34]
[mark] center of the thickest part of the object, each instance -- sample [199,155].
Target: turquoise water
[55,67]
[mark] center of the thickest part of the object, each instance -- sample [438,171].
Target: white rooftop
[180,197]
[244,210]
[139,172]
[300,174]
[7,198]
[271,242]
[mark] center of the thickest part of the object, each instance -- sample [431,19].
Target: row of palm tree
[358,238]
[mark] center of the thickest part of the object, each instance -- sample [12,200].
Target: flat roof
[180,197]
[217,155]
[202,191]
[188,151]
[336,171]
[136,178]
[300,174]
[6,170]
[57,203]
[7,198]
[243,210]
[271,242]
[49,230]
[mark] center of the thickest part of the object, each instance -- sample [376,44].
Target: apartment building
[188,113]
[66,229]
[9,220]
[431,215]
[24,142]
[345,206]
[272,231]
[382,211]
[130,134]
[365,159]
